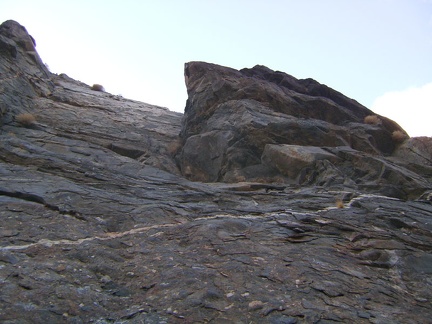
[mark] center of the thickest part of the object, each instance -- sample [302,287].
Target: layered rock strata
[234,119]
[97,223]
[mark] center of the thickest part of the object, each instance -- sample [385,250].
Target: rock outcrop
[99,224]
[234,119]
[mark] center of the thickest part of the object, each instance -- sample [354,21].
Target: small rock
[255,305]
[105,279]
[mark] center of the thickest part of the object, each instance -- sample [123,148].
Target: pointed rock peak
[18,33]
[16,43]
[195,71]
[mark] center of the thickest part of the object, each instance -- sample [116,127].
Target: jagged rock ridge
[99,225]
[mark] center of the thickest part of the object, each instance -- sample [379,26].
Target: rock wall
[233,119]
[97,223]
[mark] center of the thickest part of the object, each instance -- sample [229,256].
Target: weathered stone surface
[291,159]
[415,152]
[74,122]
[233,118]
[98,225]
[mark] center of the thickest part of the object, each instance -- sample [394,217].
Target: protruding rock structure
[242,125]
[98,225]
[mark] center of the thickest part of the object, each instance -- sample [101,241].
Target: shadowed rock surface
[99,223]
[243,126]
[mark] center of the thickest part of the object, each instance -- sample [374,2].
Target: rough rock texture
[415,152]
[232,117]
[292,159]
[98,225]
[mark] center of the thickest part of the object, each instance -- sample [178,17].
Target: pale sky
[378,52]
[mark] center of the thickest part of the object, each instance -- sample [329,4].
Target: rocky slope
[298,211]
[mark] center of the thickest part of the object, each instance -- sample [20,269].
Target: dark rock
[416,150]
[415,154]
[291,159]
[235,120]
[263,111]
[99,225]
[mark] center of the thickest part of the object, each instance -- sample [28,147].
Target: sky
[378,52]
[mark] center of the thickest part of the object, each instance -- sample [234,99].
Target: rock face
[233,119]
[98,223]
[292,159]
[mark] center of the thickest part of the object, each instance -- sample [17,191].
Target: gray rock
[235,120]
[416,150]
[99,225]
[291,159]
